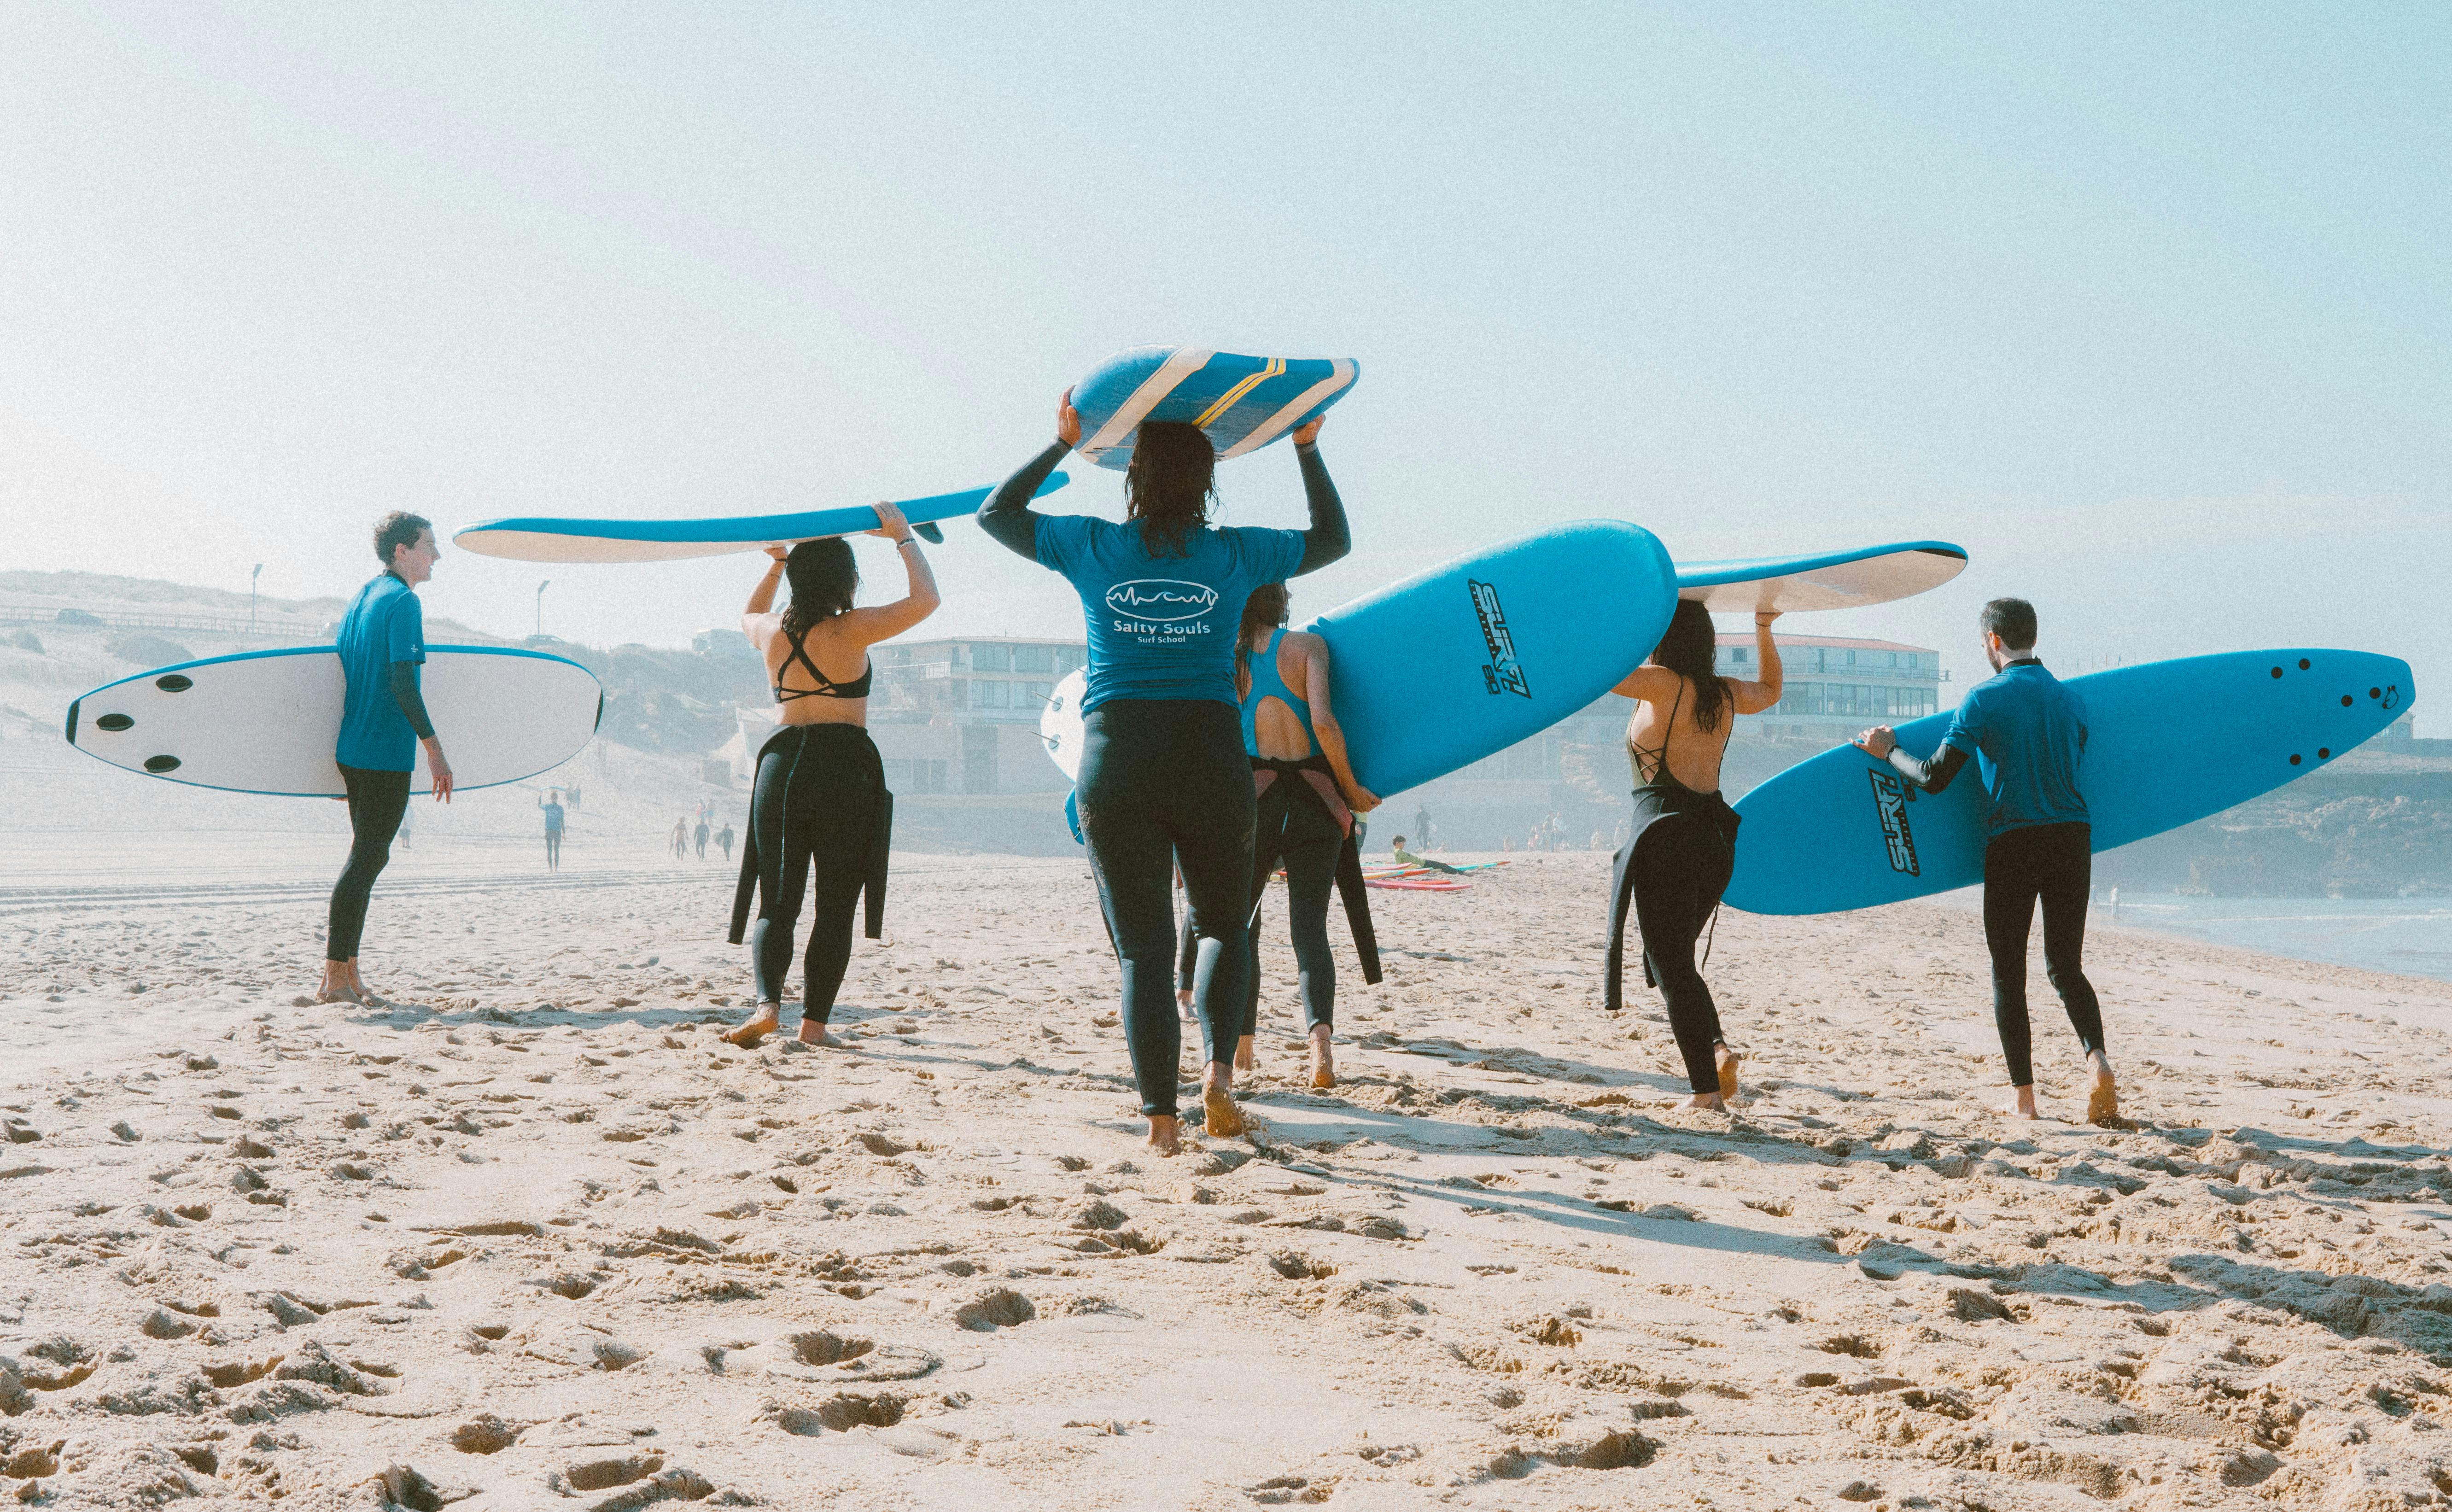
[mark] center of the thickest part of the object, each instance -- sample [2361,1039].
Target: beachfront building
[1832,686]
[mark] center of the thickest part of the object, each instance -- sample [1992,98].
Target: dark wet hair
[1170,484]
[397,530]
[824,579]
[2013,620]
[1691,649]
[1267,605]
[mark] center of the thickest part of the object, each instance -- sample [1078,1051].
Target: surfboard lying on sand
[1243,403]
[2168,744]
[1829,580]
[1463,660]
[541,538]
[266,722]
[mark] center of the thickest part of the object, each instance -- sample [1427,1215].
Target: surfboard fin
[927,530]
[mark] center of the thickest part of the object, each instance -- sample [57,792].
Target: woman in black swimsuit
[819,795]
[1677,862]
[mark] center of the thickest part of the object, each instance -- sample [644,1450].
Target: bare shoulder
[1649,684]
[1313,647]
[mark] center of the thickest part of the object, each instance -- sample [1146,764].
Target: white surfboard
[1827,580]
[266,722]
[1060,727]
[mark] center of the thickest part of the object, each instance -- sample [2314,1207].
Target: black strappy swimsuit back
[1671,871]
[827,686]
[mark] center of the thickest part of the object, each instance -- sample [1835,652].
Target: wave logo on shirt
[1890,804]
[1161,599]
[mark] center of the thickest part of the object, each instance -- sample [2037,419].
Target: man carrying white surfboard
[383,717]
[2027,731]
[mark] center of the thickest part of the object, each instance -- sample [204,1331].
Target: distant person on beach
[551,803]
[818,800]
[408,827]
[680,838]
[1406,858]
[1682,848]
[1422,831]
[702,836]
[723,839]
[1163,774]
[383,718]
[1305,797]
[2026,730]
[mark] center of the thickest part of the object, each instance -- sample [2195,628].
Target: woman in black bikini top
[819,799]
[1675,866]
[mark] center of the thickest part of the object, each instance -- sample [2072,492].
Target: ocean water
[2412,936]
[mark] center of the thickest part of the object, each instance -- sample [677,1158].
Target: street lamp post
[250,596]
[540,604]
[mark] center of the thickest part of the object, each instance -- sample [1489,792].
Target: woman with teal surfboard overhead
[1306,797]
[1675,865]
[1163,776]
[818,800]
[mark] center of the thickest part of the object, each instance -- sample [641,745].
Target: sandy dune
[542,1242]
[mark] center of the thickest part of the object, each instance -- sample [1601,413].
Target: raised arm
[1933,773]
[1328,539]
[1007,516]
[920,598]
[762,599]
[1323,723]
[1753,697]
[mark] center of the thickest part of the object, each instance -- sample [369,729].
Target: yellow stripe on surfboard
[1227,400]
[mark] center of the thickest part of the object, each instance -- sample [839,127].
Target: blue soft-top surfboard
[2168,744]
[538,538]
[1243,403]
[1825,580]
[1454,664]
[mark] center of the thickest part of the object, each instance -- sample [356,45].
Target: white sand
[545,1238]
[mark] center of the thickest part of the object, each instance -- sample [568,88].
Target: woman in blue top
[1306,797]
[1163,775]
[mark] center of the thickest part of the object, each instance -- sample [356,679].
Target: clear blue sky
[2146,306]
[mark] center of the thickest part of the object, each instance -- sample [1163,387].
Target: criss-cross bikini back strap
[1658,756]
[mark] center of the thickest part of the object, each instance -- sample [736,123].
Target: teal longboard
[1243,403]
[538,538]
[2168,744]
[1829,580]
[1452,665]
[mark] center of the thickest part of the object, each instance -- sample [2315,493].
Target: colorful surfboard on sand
[1243,403]
[2168,744]
[544,538]
[266,722]
[1827,580]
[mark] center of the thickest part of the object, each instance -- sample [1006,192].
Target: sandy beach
[539,1239]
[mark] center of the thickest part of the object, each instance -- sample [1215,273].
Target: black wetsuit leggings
[1681,866]
[815,806]
[2055,862]
[553,848]
[1165,781]
[1296,829]
[377,801]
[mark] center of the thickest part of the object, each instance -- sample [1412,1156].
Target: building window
[1031,695]
[1034,658]
[987,695]
[992,658]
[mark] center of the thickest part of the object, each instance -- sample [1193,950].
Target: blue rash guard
[1163,626]
[2027,733]
[382,643]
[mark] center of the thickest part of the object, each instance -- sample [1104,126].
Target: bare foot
[764,1021]
[2020,1104]
[1183,1006]
[2103,1099]
[819,1034]
[1703,1102]
[343,993]
[1323,1059]
[1222,1118]
[1729,1061]
[1166,1134]
[1244,1060]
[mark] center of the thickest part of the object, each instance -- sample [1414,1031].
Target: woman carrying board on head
[1677,862]
[818,800]
[1163,775]
[1306,798]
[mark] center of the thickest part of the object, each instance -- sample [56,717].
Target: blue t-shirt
[553,819]
[1163,626]
[2027,733]
[384,624]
